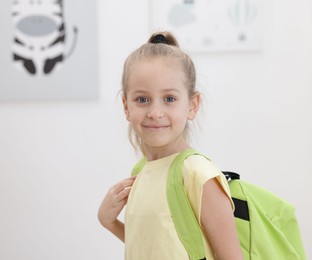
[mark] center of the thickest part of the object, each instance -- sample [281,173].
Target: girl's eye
[170,99]
[142,100]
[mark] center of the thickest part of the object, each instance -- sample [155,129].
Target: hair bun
[159,38]
[163,37]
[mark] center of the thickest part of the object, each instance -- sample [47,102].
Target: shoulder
[199,168]
[200,163]
[197,171]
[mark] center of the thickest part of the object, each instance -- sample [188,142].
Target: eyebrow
[171,90]
[163,90]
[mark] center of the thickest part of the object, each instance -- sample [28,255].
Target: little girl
[159,98]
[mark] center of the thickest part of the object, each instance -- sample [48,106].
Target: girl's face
[157,105]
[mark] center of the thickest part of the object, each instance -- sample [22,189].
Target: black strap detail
[241,209]
[241,206]
[231,176]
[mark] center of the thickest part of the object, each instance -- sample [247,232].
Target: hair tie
[159,38]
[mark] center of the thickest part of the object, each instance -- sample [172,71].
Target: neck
[155,153]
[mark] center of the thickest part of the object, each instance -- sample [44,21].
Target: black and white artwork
[204,26]
[48,50]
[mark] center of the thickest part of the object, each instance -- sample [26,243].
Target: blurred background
[58,157]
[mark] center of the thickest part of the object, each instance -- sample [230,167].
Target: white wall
[57,159]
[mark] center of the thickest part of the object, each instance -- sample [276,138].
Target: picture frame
[48,50]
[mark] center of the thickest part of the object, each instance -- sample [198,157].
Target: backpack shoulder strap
[138,167]
[184,219]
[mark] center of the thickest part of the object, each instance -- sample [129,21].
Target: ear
[194,106]
[125,106]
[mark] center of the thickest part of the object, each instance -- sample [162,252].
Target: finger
[122,185]
[122,195]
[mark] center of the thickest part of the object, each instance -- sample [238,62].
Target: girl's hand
[112,204]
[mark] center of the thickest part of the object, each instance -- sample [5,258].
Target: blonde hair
[160,44]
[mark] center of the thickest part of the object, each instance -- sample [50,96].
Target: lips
[155,127]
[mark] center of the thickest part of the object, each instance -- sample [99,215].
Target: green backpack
[266,225]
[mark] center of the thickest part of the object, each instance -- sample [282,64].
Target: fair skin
[111,206]
[158,107]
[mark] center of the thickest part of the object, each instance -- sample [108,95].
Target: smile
[155,127]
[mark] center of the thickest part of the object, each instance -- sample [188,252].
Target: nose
[155,111]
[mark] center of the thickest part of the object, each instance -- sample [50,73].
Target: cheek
[179,116]
[185,115]
[135,115]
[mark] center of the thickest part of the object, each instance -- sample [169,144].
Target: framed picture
[210,25]
[48,50]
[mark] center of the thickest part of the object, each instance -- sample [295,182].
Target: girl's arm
[218,222]
[114,201]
